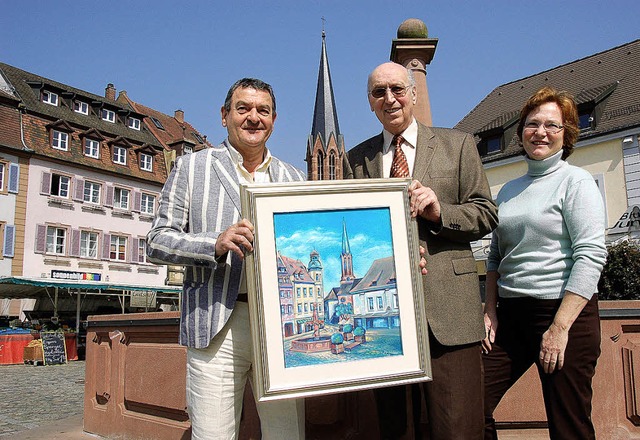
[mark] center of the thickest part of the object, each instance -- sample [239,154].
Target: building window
[494,144]
[146,162]
[157,123]
[380,303]
[187,149]
[108,115]
[92,192]
[320,169]
[133,123]
[81,107]
[332,166]
[121,198]
[147,204]
[142,250]
[370,304]
[56,238]
[50,98]
[586,120]
[60,185]
[198,137]
[2,174]
[92,148]
[118,248]
[89,244]
[60,140]
[119,155]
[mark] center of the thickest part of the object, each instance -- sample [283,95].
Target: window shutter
[14,177]
[9,240]
[108,200]
[79,190]
[106,244]
[137,197]
[127,250]
[134,250]
[41,239]
[75,243]
[45,185]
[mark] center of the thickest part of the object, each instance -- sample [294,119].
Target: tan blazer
[447,161]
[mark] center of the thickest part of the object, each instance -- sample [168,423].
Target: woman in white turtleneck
[543,269]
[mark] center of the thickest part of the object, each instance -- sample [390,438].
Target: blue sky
[171,54]
[298,234]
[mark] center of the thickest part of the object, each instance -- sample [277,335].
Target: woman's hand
[554,340]
[552,347]
[490,328]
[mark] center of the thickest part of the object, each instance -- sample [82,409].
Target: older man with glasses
[451,199]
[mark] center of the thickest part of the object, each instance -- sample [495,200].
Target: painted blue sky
[169,55]
[298,234]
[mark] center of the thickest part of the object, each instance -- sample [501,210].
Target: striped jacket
[200,199]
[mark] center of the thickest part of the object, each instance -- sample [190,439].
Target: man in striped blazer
[198,225]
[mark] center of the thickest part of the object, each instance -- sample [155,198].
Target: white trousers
[216,377]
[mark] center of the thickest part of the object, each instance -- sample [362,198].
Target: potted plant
[337,343]
[359,334]
[347,331]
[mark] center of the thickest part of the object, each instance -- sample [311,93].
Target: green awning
[28,287]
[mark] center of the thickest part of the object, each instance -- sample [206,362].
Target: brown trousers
[453,399]
[567,393]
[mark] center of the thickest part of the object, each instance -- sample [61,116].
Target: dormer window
[133,123]
[586,120]
[108,115]
[92,148]
[591,104]
[59,140]
[50,98]
[146,162]
[81,107]
[494,144]
[119,155]
[497,134]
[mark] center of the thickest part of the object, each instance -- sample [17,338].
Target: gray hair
[251,83]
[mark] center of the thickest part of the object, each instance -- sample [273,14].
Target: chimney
[179,115]
[110,92]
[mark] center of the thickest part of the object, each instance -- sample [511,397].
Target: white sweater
[551,232]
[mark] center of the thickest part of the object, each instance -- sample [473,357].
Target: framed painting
[335,289]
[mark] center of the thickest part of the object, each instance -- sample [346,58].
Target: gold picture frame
[343,322]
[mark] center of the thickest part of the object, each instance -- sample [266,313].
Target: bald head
[392,96]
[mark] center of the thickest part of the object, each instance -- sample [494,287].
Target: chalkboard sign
[55,352]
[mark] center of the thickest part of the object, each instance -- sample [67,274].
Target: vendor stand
[54,291]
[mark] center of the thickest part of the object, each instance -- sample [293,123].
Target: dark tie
[399,166]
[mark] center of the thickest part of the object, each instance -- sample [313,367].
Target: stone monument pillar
[414,50]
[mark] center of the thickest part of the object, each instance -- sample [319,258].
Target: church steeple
[325,147]
[346,257]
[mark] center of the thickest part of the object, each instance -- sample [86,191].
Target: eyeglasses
[549,127]
[397,91]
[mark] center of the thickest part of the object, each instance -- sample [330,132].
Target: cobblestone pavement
[31,396]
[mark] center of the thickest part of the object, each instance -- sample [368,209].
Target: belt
[242,297]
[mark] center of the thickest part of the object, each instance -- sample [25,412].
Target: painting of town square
[337,286]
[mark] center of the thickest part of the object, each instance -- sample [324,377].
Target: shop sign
[74,276]
[143,298]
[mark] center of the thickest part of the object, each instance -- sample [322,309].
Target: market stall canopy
[27,287]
